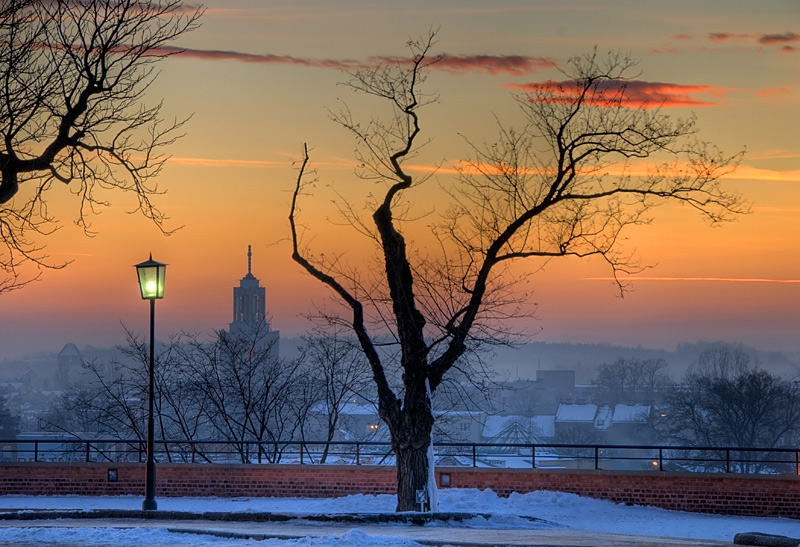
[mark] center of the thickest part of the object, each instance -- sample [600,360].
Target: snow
[631,413]
[358,409]
[603,419]
[562,511]
[494,425]
[576,413]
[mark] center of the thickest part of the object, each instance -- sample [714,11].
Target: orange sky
[259,80]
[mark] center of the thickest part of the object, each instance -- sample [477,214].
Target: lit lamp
[151,282]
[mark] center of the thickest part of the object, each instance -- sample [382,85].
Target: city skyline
[259,82]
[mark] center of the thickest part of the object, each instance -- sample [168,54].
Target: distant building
[250,312]
[629,424]
[69,362]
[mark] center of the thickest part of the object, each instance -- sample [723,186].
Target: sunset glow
[260,79]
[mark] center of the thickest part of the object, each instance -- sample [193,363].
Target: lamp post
[151,282]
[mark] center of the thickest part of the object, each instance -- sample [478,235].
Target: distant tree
[725,400]
[577,435]
[232,388]
[74,77]
[340,371]
[560,186]
[723,361]
[247,392]
[9,424]
[630,381]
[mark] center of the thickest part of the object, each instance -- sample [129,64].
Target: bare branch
[74,76]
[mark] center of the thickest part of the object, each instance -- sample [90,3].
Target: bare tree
[726,400]
[340,372]
[541,192]
[73,79]
[631,380]
[9,423]
[232,388]
[246,389]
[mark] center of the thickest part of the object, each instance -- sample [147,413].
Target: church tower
[249,298]
[250,309]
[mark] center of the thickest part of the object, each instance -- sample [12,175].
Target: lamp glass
[151,278]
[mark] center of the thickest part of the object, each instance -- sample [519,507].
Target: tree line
[723,399]
[232,388]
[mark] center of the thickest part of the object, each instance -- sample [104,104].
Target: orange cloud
[742,172]
[516,65]
[729,36]
[783,38]
[454,64]
[703,279]
[223,162]
[220,55]
[635,93]
[769,94]
[747,172]
[257,164]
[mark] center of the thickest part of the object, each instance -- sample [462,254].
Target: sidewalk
[265,526]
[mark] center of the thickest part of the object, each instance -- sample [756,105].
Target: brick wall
[757,495]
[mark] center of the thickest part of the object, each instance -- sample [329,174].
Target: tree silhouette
[544,191]
[74,75]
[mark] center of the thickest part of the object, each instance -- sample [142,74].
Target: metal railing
[450,454]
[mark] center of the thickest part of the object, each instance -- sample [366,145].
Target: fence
[779,461]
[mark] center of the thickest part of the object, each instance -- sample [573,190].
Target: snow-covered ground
[562,510]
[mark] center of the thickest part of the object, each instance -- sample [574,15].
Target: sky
[259,79]
[562,513]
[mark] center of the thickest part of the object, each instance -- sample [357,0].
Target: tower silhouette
[250,311]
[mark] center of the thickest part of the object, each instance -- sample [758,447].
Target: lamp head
[151,278]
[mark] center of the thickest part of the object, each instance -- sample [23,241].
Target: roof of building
[69,350]
[576,413]
[357,409]
[603,418]
[539,426]
[495,424]
[631,413]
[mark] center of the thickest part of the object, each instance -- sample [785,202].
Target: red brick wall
[758,495]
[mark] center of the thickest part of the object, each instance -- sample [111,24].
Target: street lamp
[151,282]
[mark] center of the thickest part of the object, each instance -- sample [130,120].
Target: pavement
[446,529]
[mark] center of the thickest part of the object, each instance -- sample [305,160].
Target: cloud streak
[742,172]
[634,93]
[701,279]
[515,65]
[784,41]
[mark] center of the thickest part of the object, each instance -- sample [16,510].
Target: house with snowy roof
[629,424]
[575,422]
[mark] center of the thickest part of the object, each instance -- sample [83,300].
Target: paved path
[430,535]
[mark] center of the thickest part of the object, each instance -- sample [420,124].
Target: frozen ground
[562,510]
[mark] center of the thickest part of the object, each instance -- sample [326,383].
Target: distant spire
[249,259]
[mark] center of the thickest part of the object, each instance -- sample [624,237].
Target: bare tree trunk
[411,438]
[412,468]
